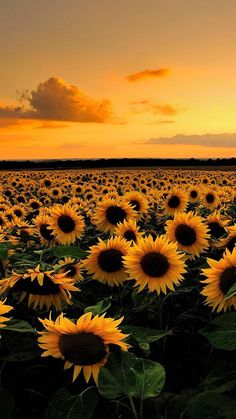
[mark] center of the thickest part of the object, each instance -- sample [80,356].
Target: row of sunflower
[134,241]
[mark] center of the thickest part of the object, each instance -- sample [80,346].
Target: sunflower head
[66,224]
[71,268]
[84,344]
[175,202]
[3,310]
[110,212]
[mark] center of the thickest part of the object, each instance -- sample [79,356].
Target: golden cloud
[147,74]
[56,100]
[147,105]
[226,140]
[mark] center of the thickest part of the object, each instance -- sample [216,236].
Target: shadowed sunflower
[176,202]
[83,345]
[3,310]
[71,268]
[43,229]
[217,226]
[105,263]
[128,230]
[155,263]
[137,200]
[40,288]
[190,233]
[110,212]
[221,276]
[230,241]
[66,224]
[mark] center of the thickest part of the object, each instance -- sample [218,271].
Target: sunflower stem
[133,408]
[160,311]
[141,409]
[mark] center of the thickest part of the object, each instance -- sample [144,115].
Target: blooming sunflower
[137,200]
[71,268]
[190,233]
[83,344]
[155,263]
[217,225]
[3,310]
[110,212]
[221,276]
[175,202]
[66,224]
[43,229]
[193,195]
[128,230]
[40,288]
[230,241]
[210,199]
[105,261]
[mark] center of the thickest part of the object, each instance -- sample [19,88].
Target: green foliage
[221,332]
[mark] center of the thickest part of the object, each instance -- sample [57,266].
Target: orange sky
[118,79]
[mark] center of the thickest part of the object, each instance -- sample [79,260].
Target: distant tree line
[107,163]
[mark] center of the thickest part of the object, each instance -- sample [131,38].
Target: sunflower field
[118,294]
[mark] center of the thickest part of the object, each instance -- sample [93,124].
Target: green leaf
[210,405]
[231,292]
[7,404]
[71,251]
[20,347]
[130,376]
[100,308]
[20,326]
[4,251]
[65,406]
[221,332]
[143,336]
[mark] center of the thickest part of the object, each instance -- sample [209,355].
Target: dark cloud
[56,100]
[205,140]
[147,74]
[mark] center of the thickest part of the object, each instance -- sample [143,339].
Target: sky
[127,78]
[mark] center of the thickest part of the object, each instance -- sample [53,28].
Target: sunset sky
[127,78]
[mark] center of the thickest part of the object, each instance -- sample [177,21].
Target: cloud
[56,100]
[148,105]
[164,121]
[206,140]
[147,74]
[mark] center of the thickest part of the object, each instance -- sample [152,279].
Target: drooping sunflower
[105,262]
[83,344]
[176,201]
[43,229]
[71,268]
[66,224]
[156,264]
[217,226]
[230,241]
[137,200]
[128,230]
[189,232]
[40,288]
[220,277]
[3,310]
[110,212]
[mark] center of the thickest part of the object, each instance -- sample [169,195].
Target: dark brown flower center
[227,279]
[115,214]
[33,287]
[70,269]
[210,198]
[135,204]
[154,264]
[18,213]
[110,260]
[130,235]
[66,223]
[216,230]
[174,202]
[185,235]
[83,348]
[193,194]
[34,205]
[45,232]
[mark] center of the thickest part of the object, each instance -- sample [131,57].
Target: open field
[117,293]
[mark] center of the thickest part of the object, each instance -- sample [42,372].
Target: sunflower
[175,202]
[40,288]
[71,268]
[110,212]
[43,229]
[137,200]
[230,241]
[216,225]
[66,224]
[128,230]
[83,344]
[155,263]
[193,194]
[210,199]
[105,261]
[3,310]
[190,233]
[221,276]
